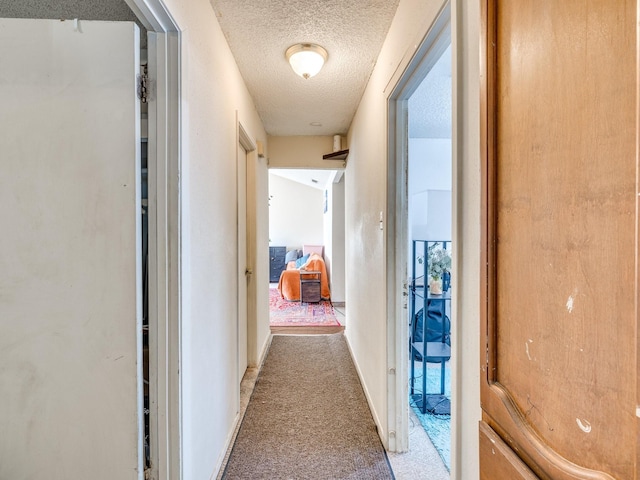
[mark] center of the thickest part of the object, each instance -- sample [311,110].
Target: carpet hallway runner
[308,417]
[283,313]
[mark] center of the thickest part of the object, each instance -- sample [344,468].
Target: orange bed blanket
[289,284]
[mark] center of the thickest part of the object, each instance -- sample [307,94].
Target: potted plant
[439,266]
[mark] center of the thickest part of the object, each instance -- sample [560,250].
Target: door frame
[164,159]
[430,48]
[245,142]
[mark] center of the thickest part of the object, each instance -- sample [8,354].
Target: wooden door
[560,190]
[70,250]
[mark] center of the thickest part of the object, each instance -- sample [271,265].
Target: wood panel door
[559,389]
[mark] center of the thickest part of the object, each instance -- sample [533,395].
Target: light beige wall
[302,151]
[366,177]
[213,95]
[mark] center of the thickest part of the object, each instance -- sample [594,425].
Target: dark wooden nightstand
[310,286]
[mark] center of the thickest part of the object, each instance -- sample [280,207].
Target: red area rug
[283,313]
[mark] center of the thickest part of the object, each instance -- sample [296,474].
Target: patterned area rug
[283,313]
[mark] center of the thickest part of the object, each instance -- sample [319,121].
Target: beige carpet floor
[308,417]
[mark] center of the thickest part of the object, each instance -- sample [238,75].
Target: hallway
[274,425]
[75,360]
[308,416]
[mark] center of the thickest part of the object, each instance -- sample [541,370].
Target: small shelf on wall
[339,155]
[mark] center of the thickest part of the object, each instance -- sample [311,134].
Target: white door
[244,270]
[70,279]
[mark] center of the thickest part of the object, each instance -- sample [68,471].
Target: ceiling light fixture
[306,59]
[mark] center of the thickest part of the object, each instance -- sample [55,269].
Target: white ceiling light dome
[306,59]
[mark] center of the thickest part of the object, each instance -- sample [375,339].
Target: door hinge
[143,85]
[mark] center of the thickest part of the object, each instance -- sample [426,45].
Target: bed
[289,284]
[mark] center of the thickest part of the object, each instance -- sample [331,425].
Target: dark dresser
[276,263]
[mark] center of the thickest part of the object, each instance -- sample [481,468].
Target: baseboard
[231,438]
[382,431]
[338,304]
[265,349]
[222,460]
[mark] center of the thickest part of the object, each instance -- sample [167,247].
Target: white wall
[213,96]
[429,192]
[429,189]
[366,178]
[334,239]
[429,164]
[70,261]
[295,213]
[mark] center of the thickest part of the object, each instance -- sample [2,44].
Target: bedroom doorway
[421,245]
[306,208]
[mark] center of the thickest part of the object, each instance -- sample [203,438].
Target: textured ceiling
[259,32]
[311,178]
[430,104]
[70,9]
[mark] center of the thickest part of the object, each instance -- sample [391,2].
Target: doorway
[162,217]
[306,214]
[420,197]
[430,247]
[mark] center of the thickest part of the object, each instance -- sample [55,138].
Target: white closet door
[70,281]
